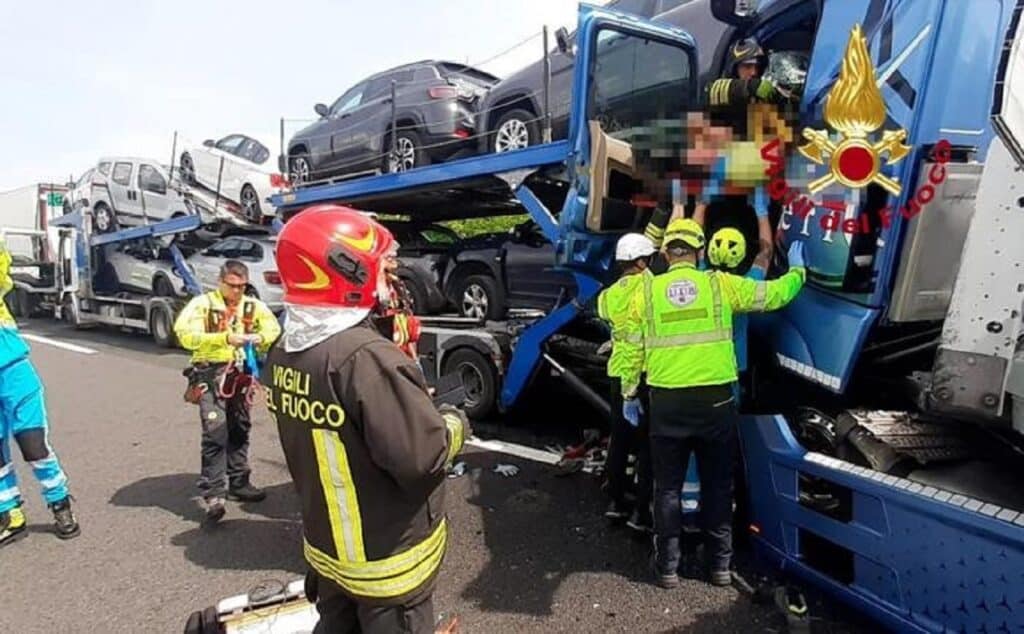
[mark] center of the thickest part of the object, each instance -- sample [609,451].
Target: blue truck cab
[881,451]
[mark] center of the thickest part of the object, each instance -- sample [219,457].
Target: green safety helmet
[728,248]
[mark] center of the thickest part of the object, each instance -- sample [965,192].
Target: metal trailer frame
[80,305]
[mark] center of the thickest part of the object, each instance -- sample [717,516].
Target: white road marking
[513,449]
[59,344]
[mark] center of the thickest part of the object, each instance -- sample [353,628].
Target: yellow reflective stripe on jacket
[339,494]
[712,336]
[384,578]
[456,436]
[212,347]
[614,306]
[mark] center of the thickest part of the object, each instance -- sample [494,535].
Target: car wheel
[162,287]
[417,295]
[408,153]
[478,377]
[252,292]
[515,130]
[188,169]
[161,325]
[299,170]
[104,220]
[479,297]
[251,204]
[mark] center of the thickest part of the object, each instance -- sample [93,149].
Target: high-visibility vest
[613,307]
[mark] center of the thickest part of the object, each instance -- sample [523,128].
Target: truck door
[639,76]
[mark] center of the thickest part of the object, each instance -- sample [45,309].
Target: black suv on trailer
[434,117]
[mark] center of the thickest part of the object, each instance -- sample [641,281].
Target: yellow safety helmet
[728,247]
[686,230]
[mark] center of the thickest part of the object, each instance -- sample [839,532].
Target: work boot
[641,522]
[247,493]
[617,511]
[214,509]
[721,577]
[12,526]
[67,525]
[666,561]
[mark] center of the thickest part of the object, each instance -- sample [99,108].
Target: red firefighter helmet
[329,255]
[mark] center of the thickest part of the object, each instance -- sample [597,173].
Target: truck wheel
[479,297]
[70,313]
[104,220]
[478,377]
[161,325]
[515,130]
[21,304]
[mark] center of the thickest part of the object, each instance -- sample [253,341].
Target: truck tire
[161,325]
[21,304]
[479,296]
[478,377]
[70,313]
[162,287]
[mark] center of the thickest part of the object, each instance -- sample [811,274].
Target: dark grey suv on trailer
[511,115]
[434,118]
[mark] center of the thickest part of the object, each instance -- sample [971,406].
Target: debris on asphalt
[458,470]
[507,470]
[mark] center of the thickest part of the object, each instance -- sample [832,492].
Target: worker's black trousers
[702,420]
[625,439]
[225,446]
[340,614]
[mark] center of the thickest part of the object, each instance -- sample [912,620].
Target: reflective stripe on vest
[339,494]
[384,578]
[687,344]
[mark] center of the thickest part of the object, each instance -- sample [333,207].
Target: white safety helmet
[632,246]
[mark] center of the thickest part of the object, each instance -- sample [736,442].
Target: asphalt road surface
[528,553]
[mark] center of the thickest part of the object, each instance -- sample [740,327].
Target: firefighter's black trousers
[340,614]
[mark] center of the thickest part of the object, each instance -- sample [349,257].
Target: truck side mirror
[321,109]
[564,42]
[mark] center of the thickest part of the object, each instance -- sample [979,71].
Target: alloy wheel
[474,302]
[250,204]
[512,135]
[300,170]
[404,156]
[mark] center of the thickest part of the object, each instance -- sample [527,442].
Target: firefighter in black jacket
[364,443]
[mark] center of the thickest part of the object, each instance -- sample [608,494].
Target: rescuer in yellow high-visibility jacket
[217,327]
[679,335]
[628,435]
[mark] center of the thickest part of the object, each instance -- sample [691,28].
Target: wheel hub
[512,135]
[404,155]
[474,302]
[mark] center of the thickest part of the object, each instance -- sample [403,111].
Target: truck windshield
[635,81]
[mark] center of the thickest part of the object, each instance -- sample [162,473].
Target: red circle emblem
[856,164]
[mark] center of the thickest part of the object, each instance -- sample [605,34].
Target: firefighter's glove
[631,411]
[458,429]
[796,255]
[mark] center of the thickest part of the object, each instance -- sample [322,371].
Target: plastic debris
[458,470]
[507,470]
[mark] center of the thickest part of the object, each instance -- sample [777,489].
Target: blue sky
[80,80]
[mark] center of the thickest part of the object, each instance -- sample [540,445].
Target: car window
[230,144]
[84,179]
[437,236]
[223,249]
[349,100]
[249,250]
[151,180]
[254,152]
[122,173]
[104,169]
[424,74]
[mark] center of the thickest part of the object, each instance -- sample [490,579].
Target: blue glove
[631,411]
[796,255]
[252,365]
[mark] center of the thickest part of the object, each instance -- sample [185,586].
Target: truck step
[926,441]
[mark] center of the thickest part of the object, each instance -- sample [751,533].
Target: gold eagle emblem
[854,107]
